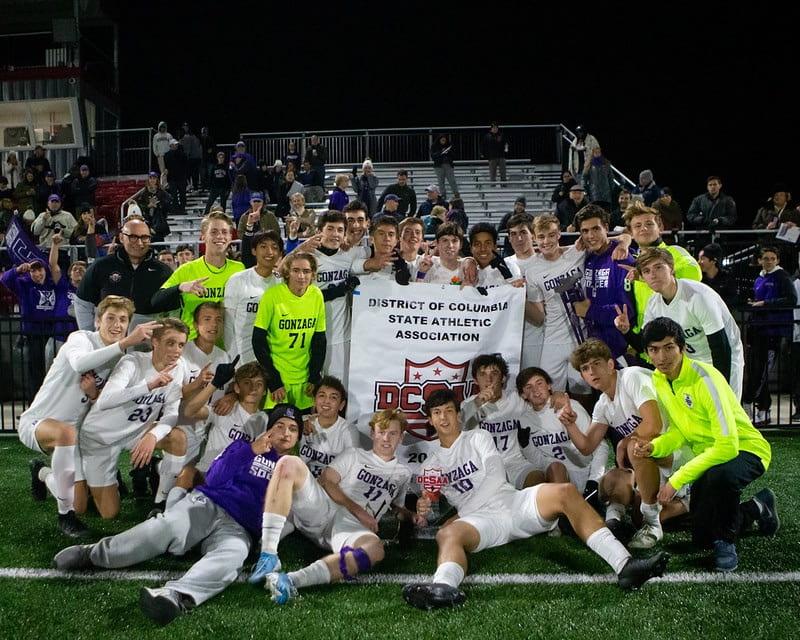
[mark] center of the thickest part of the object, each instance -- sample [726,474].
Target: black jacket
[316,155]
[177,165]
[408,199]
[83,190]
[494,145]
[566,210]
[115,275]
[561,192]
[703,211]
[442,155]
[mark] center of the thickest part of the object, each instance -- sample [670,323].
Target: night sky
[690,92]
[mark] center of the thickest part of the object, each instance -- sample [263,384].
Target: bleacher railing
[122,152]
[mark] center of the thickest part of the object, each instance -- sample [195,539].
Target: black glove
[482,291]
[524,436]
[224,373]
[351,283]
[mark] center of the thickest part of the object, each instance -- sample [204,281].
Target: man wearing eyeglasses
[132,271]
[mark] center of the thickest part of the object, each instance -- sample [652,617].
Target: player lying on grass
[222,515]
[51,423]
[340,512]
[704,413]
[492,513]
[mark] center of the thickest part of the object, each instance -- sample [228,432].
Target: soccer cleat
[38,488]
[768,520]
[139,483]
[637,571]
[725,558]
[267,563]
[432,595]
[71,526]
[153,478]
[158,509]
[647,537]
[74,557]
[162,605]
[281,588]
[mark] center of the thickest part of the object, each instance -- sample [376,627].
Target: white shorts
[100,465]
[337,361]
[513,516]
[345,530]
[312,512]
[555,360]
[194,443]
[577,476]
[26,430]
[517,470]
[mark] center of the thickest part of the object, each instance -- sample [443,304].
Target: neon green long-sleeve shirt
[704,413]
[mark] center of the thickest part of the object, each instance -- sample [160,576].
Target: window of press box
[51,123]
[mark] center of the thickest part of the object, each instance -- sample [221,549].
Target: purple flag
[20,246]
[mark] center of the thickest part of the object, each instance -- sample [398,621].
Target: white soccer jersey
[371,482]
[439,274]
[126,407]
[60,396]
[194,360]
[532,336]
[412,453]
[490,276]
[701,312]
[550,440]
[242,294]
[501,420]
[320,449]
[542,277]
[622,414]
[463,468]
[223,430]
[331,271]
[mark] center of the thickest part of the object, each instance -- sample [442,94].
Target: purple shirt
[606,286]
[41,304]
[237,481]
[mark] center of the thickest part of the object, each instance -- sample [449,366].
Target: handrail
[613,168]
[392,129]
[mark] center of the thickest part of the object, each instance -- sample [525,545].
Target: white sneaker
[762,418]
[646,537]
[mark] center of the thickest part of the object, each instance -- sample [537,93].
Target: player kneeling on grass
[492,513]
[222,514]
[137,410]
[340,512]
[730,453]
[51,423]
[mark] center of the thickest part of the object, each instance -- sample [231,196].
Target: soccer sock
[63,461]
[176,494]
[315,573]
[271,527]
[605,545]
[168,470]
[449,573]
[650,514]
[615,511]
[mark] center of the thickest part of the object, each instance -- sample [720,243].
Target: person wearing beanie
[647,188]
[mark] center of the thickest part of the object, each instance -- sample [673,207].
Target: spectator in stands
[166,257]
[436,217]
[519,209]
[46,188]
[240,197]
[599,179]
[263,179]
[92,233]
[177,170]
[6,213]
[53,220]
[408,197]
[457,214]
[161,145]
[209,157]
[358,219]
[66,187]
[713,209]
[669,210]
[339,198]
[183,254]
[11,170]
[777,210]
[366,186]
[194,156]
[289,188]
[391,204]
[443,157]
[38,162]
[434,199]
[565,212]
[132,271]
[5,190]
[561,192]
[581,150]
[292,158]
[25,191]
[647,188]
[84,186]
[275,180]
[618,213]
[243,162]
[313,182]
[719,279]
[257,213]
[154,203]
[317,156]
[494,149]
[306,218]
[768,327]
[219,183]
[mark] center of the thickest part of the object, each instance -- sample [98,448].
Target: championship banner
[408,341]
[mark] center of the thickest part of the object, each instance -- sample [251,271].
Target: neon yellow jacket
[686,267]
[704,413]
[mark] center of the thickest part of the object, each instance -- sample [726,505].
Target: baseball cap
[391,197]
[665,191]
[521,200]
[432,187]
[576,187]
[54,198]
[153,174]
[240,143]
[83,207]
[284,410]
[48,174]
[37,264]
[257,195]
[84,167]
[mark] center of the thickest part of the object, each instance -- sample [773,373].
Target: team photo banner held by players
[410,340]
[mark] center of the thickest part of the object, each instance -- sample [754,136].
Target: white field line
[404,578]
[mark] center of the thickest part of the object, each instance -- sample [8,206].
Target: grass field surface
[566,591]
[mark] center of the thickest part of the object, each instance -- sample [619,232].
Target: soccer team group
[255,369]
